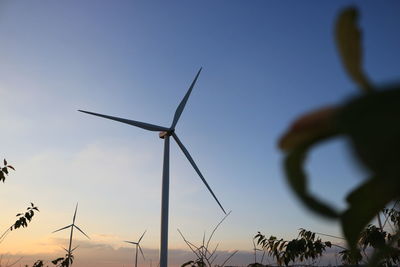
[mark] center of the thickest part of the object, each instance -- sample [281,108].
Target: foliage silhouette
[371,238]
[38,263]
[370,123]
[59,262]
[4,170]
[385,242]
[64,262]
[196,263]
[22,218]
[305,247]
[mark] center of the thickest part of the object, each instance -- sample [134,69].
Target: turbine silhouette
[69,251]
[165,133]
[137,246]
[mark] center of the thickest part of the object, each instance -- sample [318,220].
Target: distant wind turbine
[70,250]
[137,247]
[165,133]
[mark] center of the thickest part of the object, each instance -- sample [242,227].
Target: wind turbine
[69,251]
[137,246]
[165,133]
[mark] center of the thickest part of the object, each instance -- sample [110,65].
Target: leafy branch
[305,247]
[64,261]
[4,170]
[22,220]
[59,262]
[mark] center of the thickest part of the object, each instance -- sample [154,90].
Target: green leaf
[348,41]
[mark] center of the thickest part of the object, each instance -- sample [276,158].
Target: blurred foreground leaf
[297,180]
[348,41]
[372,124]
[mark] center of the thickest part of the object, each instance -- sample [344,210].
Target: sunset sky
[264,63]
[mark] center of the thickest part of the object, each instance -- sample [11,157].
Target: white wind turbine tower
[71,234]
[137,247]
[165,133]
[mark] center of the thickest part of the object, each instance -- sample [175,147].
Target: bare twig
[262,258]
[202,252]
[216,227]
[15,262]
[215,249]
[190,245]
[204,237]
[8,260]
[255,251]
[5,233]
[223,264]
[338,246]
[215,257]
[338,237]
[387,217]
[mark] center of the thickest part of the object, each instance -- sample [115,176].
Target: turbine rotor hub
[163,134]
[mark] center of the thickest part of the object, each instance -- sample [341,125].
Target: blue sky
[264,63]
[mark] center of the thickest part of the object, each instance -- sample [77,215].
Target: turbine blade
[140,248]
[142,236]
[76,209]
[184,150]
[63,228]
[74,248]
[134,243]
[181,106]
[81,231]
[143,125]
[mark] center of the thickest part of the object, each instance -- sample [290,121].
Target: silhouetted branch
[189,244]
[215,249]
[223,264]
[203,254]
[8,264]
[22,220]
[216,227]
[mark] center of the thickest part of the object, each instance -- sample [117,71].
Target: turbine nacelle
[164,134]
